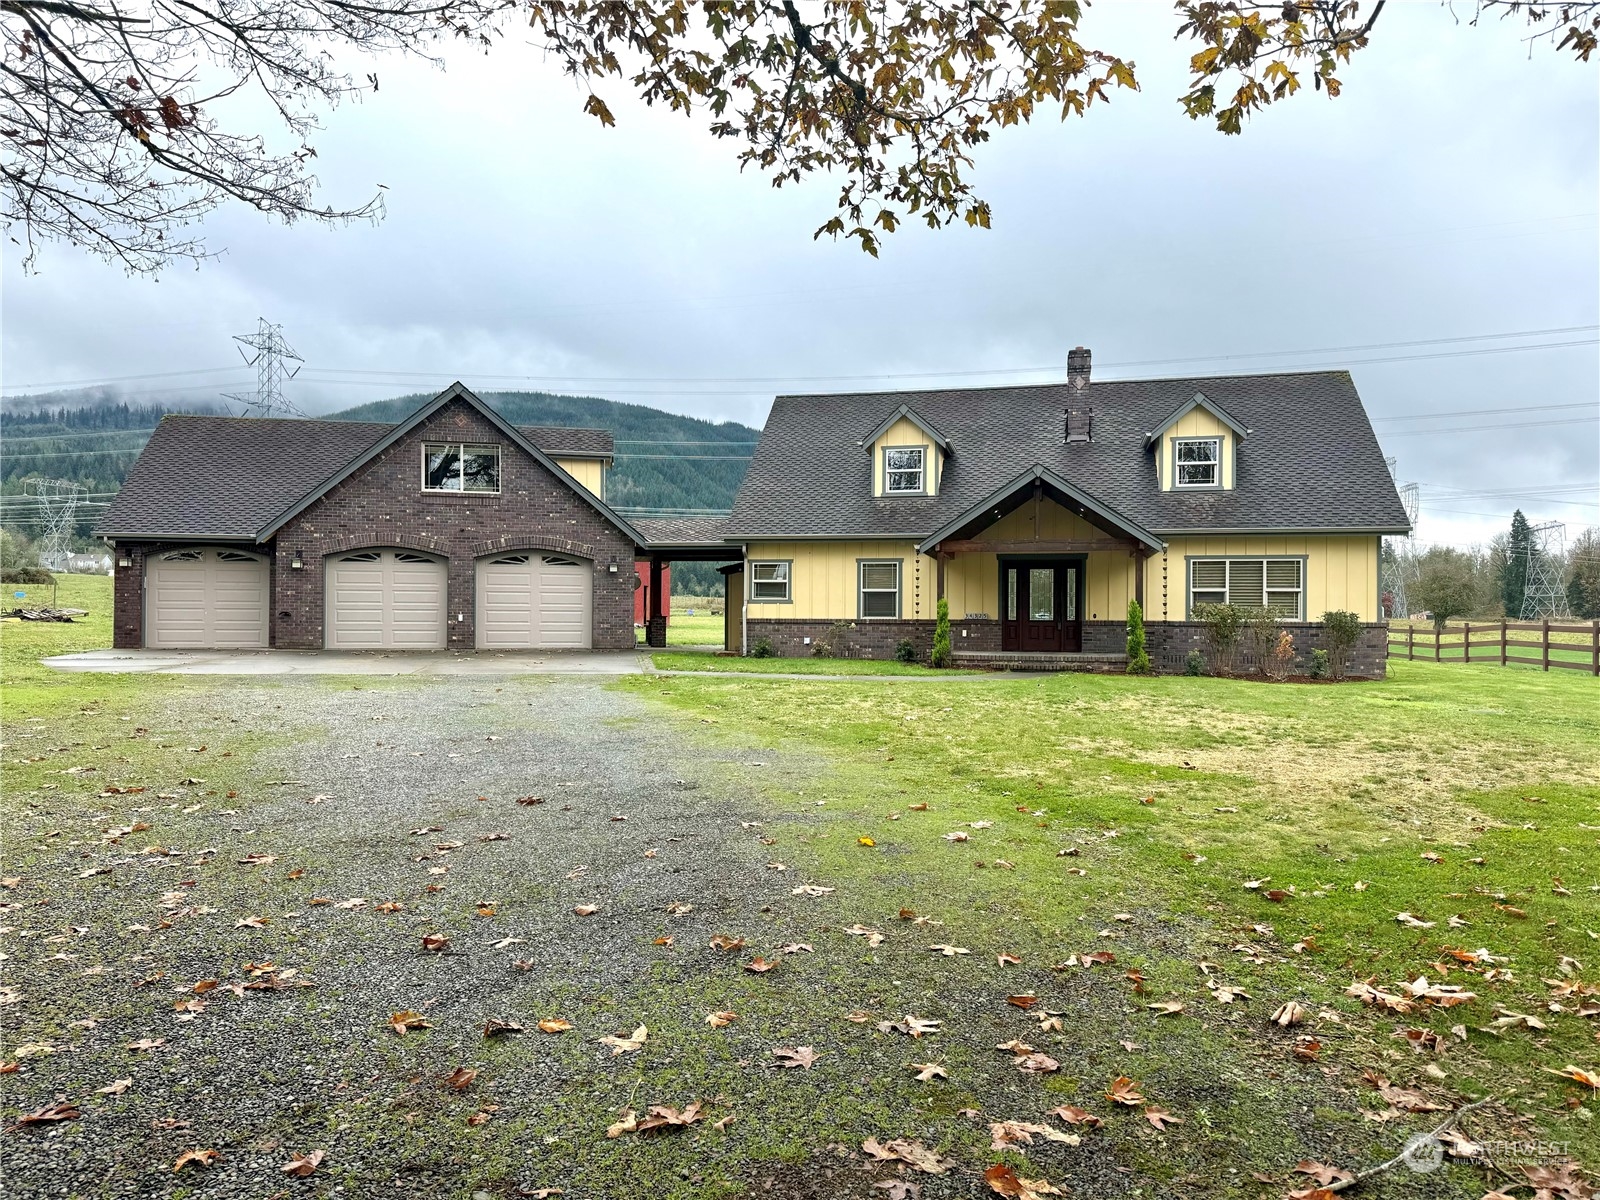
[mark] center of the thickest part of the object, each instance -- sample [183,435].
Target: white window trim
[787,566]
[861,589]
[1227,580]
[461,454]
[1215,464]
[922,472]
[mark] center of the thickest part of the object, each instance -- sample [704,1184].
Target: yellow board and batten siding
[907,435]
[972,581]
[589,472]
[1341,570]
[1197,422]
[823,583]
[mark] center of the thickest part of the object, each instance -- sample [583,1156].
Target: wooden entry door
[1039,605]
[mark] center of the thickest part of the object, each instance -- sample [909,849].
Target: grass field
[1268,837]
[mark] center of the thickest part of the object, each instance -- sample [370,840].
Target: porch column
[655,622]
[1137,555]
[939,557]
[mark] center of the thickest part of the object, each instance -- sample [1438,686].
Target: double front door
[1040,605]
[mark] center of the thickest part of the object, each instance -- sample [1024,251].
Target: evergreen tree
[1519,552]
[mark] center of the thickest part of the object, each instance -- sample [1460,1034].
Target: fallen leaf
[1003,1181]
[1073,1115]
[796,1056]
[435,943]
[1288,1013]
[760,966]
[726,942]
[1321,1172]
[586,910]
[61,1110]
[928,1071]
[115,1088]
[620,1044]
[949,951]
[1160,1117]
[304,1164]
[913,1154]
[721,1020]
[1125,1091]
[202,1158]
[498,1028]
[1007,1135]
[402,1022]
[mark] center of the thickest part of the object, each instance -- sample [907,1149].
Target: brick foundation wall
[1167,642]
[383,506]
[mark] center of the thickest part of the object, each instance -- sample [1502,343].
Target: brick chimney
[1078,368]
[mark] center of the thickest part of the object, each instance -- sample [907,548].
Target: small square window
[905,470]
[769,582]
[1199,461]
[454,467]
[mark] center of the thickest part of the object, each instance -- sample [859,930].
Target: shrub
[834,643]
[1318,667]
[33,575]
[761,648]
[1195,664]
[1224,623]
[904,651]
[1340,632]
[1262,628]
[1276,662]
[941,636]
[1138,659]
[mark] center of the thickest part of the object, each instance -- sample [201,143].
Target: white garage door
[207,599]
[533,602]
[385,600]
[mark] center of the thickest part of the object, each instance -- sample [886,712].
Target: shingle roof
[681,531]
[225,477]
[1311,460]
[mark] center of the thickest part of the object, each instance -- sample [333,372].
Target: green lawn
[702,629]
[702,661]
[1466,797]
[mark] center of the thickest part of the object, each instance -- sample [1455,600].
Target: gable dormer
[908,456]
[1197,447]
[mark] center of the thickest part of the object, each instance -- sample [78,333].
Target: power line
[61,437]
[60,383]
[1482,428]
[1484,412]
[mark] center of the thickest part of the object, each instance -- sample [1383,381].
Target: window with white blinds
[1277,584]
[880,589]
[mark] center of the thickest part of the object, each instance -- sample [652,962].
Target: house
[1039,512]
[451,529]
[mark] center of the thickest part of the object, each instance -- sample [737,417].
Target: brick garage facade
[382,506]
[1167,642]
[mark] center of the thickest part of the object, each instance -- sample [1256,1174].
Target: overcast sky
[1450,193]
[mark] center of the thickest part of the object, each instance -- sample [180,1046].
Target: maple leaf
[925,1072]
[497,1028]
[202,1158]
[1307,1049]
[796,1056]
[1125,1091]
[678,908]
[402,1022]
[1321,1172]
[61,1110]
[1025,1001]
[461,1078]
[435,943]
[726,942]
[1007,960]
[481,1117]
[1099,958]
[1414,922]
[391,906]
[810,889]
[1288,1013]
[949,951]
[874,938]
[1074,1115]
[958,836]
[721,1020]
[662,1116]
[114,1088]
[1588,1078]
[628,1122]
[147,1044]
[1037,1063]
[1508,1019]
[624,1045]
[913,1154]
[302,1165]
[1003,1181]
[251,923]
[1007,1135]
[911,1026]
[760,966]
[1166,1008]
[1160,1117]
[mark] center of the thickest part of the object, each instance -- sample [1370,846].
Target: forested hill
[92,438]
[663,460]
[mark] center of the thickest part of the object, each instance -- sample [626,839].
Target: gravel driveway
[386,794]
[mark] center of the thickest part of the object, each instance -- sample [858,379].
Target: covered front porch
[673,540]
[1038,576]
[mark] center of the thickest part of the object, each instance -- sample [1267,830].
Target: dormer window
[1199,461]
[905,471]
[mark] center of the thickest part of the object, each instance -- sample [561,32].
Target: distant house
[1037,512]
[88,564]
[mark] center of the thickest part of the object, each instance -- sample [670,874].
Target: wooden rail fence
[1494,641]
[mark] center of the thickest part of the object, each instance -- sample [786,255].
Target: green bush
[905,651]
[1318,667]
[28,575]
[941,636]
[1138,658]
[761,648]
[1195,664]
[1224,623]
[1340,632]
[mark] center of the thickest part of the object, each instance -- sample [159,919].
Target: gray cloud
[1449,192]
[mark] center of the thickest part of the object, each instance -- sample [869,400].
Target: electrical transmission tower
[1544,596]
[272,356]
[56,503]
[1398,563]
